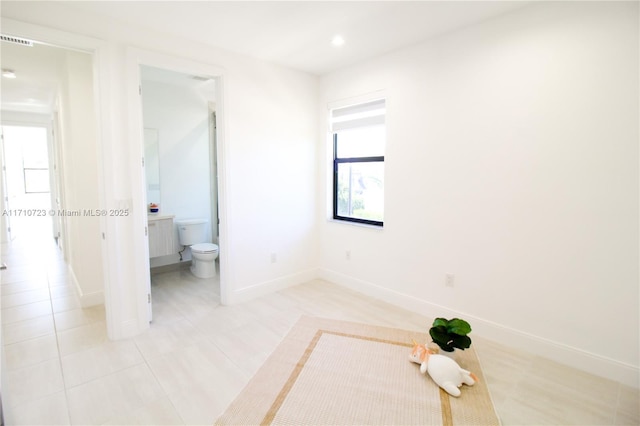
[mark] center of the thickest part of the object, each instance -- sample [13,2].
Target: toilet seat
[204,248]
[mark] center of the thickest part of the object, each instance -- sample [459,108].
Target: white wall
[4,224]
[268,123]
[272,136]
[181,116]
[79,150]
[512,162]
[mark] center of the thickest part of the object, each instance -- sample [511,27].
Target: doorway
[51,150]
[181,180]
[27,181]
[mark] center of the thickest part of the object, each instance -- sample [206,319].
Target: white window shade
[360,115]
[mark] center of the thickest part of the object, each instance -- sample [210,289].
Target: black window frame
[349,160]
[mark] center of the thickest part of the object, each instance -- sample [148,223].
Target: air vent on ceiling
[16,40]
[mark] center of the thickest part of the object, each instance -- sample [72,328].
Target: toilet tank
[192,231]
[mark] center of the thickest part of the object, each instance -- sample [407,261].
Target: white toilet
[193,233]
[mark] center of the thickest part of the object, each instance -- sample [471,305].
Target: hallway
[41,320]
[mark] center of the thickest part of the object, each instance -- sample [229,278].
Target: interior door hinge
[142,161]
[140,89]
[148,297]
[146,231]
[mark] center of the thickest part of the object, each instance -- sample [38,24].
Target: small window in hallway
[35,163]
[25,156]
[27,146]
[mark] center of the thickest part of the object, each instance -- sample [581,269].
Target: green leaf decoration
[439,334]
[450,334]
[440,322]
[461,342]
[458,326]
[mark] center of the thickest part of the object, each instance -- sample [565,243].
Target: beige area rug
[328,372]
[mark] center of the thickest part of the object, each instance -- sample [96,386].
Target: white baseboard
[592,363]
[86,299]
[92,299]
[249,293]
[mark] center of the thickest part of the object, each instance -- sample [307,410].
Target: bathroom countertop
[157,216]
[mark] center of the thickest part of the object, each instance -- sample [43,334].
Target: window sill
[358,224]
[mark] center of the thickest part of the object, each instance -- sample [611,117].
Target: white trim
[577,358]
[141,262]
[268,287]
[86,299]
[26,119]
[339,126]
[358,99]
[371,113]
[74,280]
[92,299]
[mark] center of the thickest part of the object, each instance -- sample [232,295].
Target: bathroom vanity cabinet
[161,239]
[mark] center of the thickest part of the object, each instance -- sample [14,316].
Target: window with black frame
[358,162]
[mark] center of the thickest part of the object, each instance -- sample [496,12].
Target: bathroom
[181,179]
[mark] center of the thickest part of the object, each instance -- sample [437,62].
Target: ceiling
[38,77]
[297,34]
[294,34]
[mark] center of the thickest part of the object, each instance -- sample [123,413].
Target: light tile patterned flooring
[60,368]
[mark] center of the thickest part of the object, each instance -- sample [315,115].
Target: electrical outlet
[448,280]
[347,254]
[274,257]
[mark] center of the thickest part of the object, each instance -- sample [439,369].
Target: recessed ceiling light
[337,40]
[8,73]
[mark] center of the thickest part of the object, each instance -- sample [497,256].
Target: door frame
[213,163]
[117,326]
[137,57]
[43,121]
[6,236]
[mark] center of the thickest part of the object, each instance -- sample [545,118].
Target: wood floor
[58,367]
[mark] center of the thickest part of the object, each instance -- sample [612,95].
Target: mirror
[152,165]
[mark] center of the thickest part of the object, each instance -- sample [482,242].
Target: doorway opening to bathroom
[179,116]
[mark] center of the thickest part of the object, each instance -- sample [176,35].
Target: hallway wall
[79,148]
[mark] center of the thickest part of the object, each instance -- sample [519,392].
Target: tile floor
[58,367]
